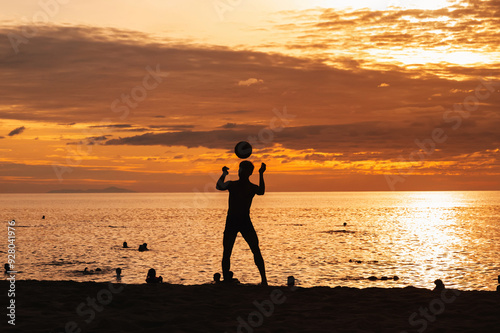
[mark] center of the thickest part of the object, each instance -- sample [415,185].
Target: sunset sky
[334,95]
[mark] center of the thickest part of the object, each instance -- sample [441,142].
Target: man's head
[246,169]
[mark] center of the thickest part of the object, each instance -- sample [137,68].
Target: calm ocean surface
[418,236]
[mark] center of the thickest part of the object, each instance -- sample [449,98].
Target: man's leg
[228,243]
[251,238]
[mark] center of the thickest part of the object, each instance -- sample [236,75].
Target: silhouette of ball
[243,149]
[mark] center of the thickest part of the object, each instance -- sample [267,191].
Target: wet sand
[65,306]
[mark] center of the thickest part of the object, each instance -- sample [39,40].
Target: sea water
[417,236]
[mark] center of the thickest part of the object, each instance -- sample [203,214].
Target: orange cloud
[250,82]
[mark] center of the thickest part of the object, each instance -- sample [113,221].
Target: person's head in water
[246,169]
[151,273]
[152,278]
[439,285]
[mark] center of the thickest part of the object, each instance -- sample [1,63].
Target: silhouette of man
[241,193]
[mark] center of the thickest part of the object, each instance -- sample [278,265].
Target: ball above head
[243,149]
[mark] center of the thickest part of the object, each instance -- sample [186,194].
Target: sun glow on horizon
[378,4]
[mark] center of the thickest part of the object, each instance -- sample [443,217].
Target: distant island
[111,189]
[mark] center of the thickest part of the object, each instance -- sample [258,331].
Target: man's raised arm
[262,186]
[221,185]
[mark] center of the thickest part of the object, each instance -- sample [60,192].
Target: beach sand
[63,306]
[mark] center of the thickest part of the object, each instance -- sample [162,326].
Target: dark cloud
[121,127]
[211,139]
[17,131]
[112,126]
[75,73]
[93,140]
[229,125]
[356,141]
[138,129]
[171,127]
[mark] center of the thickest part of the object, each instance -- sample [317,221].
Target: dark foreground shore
[44,306]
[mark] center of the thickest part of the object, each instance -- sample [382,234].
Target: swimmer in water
[439,285]
[151,278]
[228,278]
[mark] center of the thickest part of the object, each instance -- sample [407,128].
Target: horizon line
[267,191]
